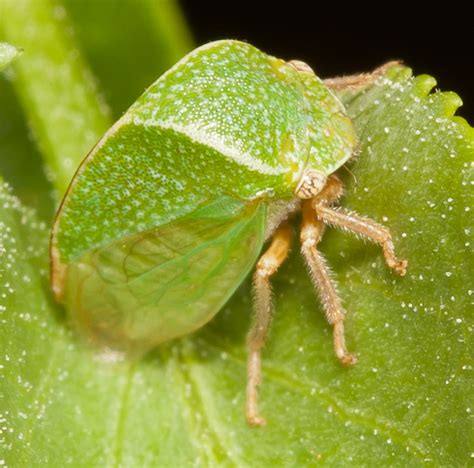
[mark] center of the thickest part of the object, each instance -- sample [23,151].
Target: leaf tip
[424,84]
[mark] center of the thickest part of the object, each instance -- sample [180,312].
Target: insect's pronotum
[170,210]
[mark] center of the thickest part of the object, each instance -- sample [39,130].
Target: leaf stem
[55,85]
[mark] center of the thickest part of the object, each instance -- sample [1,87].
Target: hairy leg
[365,227]
[316,213]
[268,264]
[311,232]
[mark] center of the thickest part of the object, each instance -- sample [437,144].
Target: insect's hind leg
[359,81]
[311,232]
[267,265]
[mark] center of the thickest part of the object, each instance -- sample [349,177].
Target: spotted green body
[168,213]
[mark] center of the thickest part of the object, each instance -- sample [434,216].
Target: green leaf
[407,401]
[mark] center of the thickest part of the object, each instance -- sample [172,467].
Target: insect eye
[310,184]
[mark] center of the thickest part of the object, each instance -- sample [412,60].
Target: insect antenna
[351,173]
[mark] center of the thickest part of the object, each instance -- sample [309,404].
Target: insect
[170,210]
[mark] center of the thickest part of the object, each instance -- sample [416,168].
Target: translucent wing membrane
[139,291]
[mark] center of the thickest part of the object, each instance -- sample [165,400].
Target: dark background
[337,39]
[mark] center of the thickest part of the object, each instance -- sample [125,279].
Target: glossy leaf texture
[406,403]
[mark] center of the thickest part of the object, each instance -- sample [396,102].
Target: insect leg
[267,265]
[365,227]
[358,81]
[311,232]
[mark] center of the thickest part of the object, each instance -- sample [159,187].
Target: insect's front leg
[362,226]
[311,232]
[268,264]
[359,81]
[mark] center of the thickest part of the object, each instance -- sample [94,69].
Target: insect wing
[166,282]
